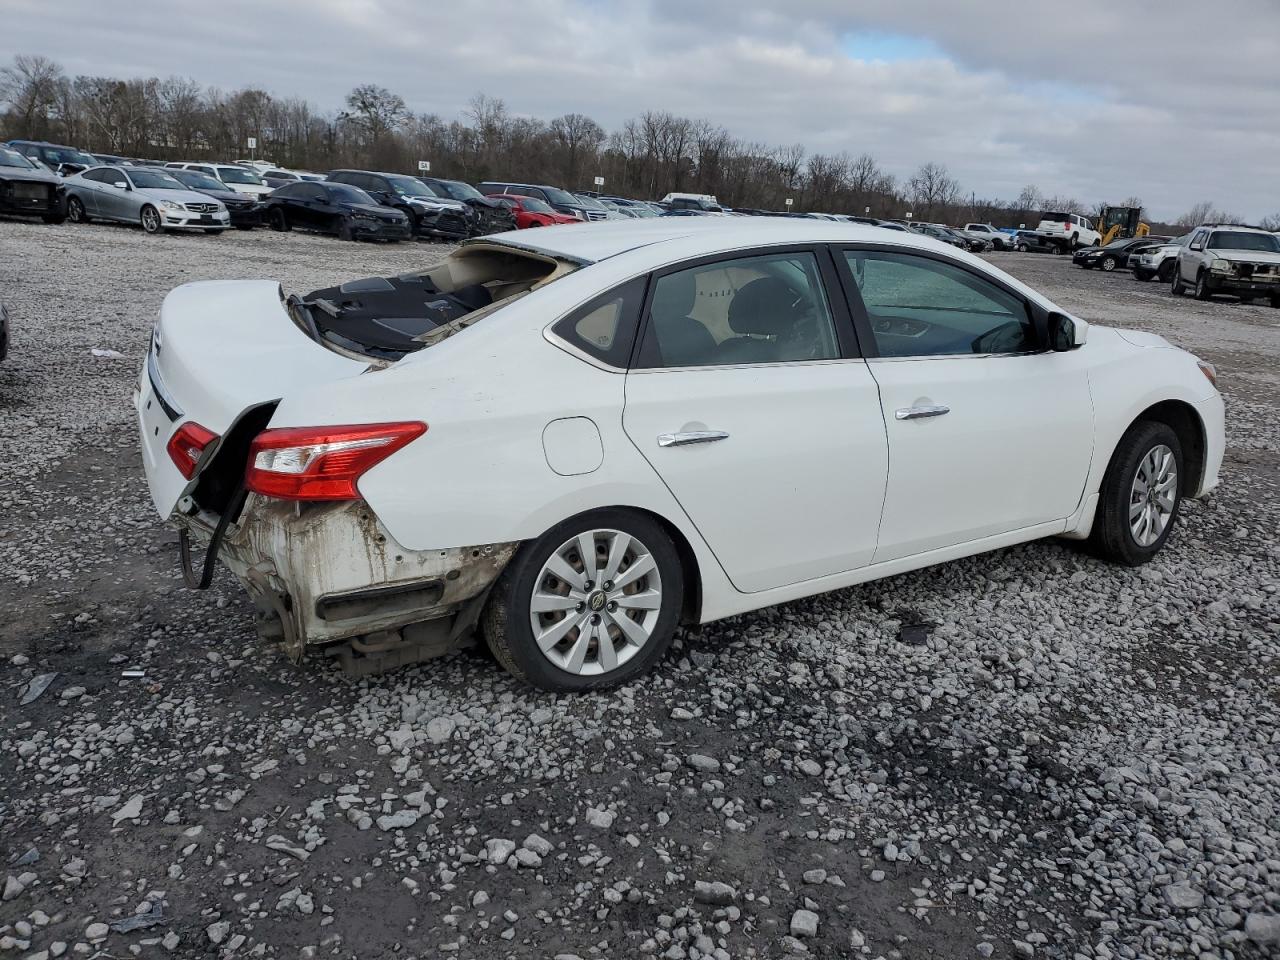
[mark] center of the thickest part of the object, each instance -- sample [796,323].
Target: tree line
[650,155]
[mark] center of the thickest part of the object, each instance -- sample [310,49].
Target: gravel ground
[1080,761]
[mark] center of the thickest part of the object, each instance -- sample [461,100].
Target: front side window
[920,307]
[760,309]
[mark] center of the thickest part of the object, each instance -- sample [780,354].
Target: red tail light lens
[187,446]
[322,463]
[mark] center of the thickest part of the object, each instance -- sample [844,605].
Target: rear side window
[605,328]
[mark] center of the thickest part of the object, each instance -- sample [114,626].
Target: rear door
[989,433]
[749,400]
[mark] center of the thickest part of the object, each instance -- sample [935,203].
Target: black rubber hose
[211,554]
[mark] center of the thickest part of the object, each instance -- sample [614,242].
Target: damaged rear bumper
[331,576]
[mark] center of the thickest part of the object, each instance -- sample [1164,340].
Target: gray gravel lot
[1081,761]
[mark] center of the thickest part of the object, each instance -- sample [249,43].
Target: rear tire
[76,212]
[1021,247]
[214,232]
[244,226]
[1143,275]
[345,231]
[280,221]
[530,591]
[1121,494]
[54,217]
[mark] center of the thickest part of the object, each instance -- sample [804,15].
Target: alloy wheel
[1153,496]
[596,602]
[150,220]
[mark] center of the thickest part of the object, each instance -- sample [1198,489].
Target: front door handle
[693,436]
[922,411]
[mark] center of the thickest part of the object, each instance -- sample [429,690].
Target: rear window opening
[386,318]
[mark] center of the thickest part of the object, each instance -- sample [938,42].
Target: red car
[532,212]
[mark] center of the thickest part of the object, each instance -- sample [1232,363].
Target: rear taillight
[322,463]
[187,446]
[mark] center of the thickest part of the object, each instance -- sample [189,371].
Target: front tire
[76,212]
[592,603]
[1143,275]
[1203,290]
[345,230]
[150,219]
[1141,494]
[280,221]
[1108,264]
[54,218]
[1176,286]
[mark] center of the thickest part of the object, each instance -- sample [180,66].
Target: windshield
[57,155]
[152,180]
[198,181]
[281,175]
[534,205]
[239,175]
[591,203]
[556,195]
[12,158]
[455,190]
[1239,240]
[410,187]
[345,193]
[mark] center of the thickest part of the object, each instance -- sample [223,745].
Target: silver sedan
[143,195]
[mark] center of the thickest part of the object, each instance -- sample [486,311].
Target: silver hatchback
[147,196]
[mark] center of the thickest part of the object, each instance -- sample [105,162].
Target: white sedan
[579,441]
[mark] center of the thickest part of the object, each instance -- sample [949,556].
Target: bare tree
[31,87]
[1271,222]
[1204,212]
[932,191]
[576,136]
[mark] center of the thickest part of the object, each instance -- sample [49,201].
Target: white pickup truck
[1069,228]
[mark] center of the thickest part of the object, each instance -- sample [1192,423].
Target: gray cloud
[1091,100]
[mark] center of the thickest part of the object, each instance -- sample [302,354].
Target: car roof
[592,242]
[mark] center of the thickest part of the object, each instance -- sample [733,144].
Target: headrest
[675,294]
[765,307]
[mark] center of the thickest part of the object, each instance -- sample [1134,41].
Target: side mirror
[120,185]
[1064,333]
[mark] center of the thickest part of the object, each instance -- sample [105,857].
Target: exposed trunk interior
[385,318]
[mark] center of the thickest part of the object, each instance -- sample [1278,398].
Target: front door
[989,433]
[748,402]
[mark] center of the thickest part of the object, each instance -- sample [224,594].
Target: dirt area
[1079,760]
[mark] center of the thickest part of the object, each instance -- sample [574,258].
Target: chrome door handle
[922,411]
[693,436]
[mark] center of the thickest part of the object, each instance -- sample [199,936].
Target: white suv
[1230,258]
[1158,262]
[1075,229]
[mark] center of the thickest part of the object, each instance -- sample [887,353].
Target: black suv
[336,208]
[491,216]
[560,200]
[429,215]
[30,190]
[59,159]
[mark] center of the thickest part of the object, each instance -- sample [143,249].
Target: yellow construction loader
[1119,223]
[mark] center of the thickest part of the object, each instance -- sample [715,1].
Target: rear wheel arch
[690,569]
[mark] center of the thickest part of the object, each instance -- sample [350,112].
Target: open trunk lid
[220,349]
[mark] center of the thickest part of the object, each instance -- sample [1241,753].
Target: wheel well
[1185,422]
[692,612]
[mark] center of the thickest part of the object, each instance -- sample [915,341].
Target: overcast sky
[1095,100]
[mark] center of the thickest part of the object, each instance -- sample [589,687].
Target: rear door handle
[922,411]
[693,436]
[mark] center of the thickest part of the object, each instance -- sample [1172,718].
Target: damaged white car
[576,443]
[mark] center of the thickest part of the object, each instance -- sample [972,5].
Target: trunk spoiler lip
[167,403]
